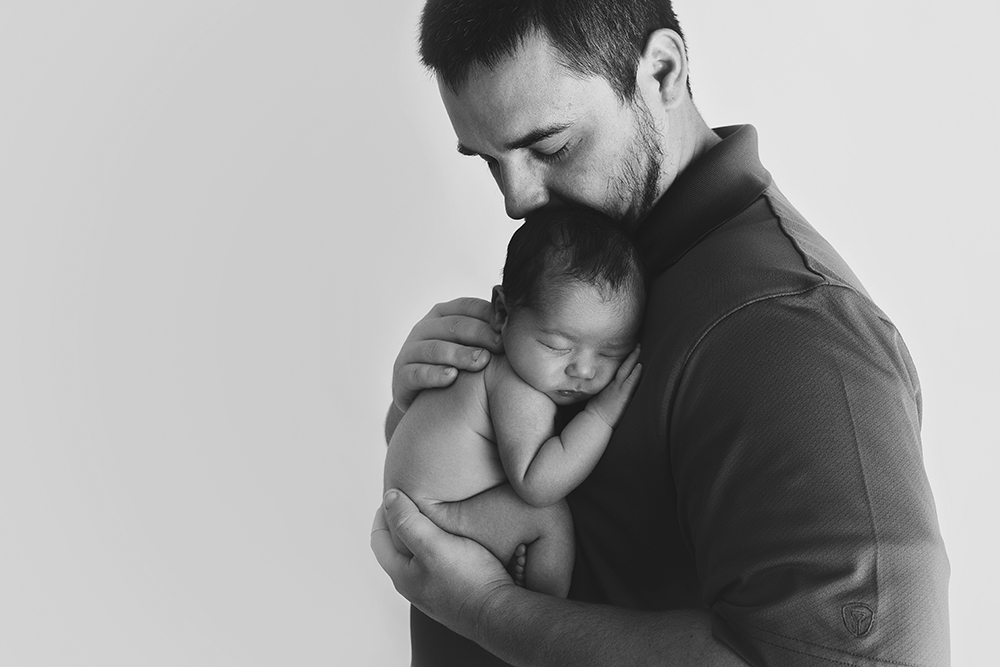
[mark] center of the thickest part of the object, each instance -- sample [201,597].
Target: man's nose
[524,191]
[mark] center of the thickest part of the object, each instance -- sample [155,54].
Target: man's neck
[690,138]
[695,136]
[707,138]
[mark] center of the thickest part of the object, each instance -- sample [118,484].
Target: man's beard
[638,182]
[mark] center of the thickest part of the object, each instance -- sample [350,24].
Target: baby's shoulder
[502,381]
[463,400]
[498,375]
[466,386]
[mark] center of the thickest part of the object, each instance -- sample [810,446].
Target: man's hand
[460,584]
[453,336]
[610,404]
[449,578]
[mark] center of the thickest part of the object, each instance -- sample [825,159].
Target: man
[763,500]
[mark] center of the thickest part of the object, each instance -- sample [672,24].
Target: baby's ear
[500,312]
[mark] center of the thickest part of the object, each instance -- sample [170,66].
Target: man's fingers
[399,515]
[414,377]
[468,306]
[468,331]
[411,527]
[455,335]
[385,551]
[411,379]
[422,360]
[446,576]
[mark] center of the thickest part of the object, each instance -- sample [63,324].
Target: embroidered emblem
[858,618]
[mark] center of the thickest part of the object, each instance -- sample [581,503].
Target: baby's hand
[610,403]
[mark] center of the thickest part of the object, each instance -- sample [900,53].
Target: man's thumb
[405,520]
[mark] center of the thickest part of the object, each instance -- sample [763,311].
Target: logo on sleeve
[858,618]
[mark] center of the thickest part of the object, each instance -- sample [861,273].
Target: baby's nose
[582,369]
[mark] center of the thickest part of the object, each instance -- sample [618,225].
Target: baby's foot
[516,565]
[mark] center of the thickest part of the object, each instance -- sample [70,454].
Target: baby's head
[571,302]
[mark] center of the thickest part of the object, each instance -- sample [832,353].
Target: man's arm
[799,478]
[528,628]
[456,335]
[460,584]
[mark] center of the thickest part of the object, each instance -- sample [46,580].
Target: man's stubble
[638,182]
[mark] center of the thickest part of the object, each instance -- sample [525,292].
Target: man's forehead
[529,92]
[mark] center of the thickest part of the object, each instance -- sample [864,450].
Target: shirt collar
[716,186]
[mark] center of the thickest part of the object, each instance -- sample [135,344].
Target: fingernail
[448,372]
[390,498]
[476,355]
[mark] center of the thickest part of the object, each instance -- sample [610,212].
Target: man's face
[550,136]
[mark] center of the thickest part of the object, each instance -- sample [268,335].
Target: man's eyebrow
[535,136]
[528,139]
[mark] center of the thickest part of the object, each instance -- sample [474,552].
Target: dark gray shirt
[769,466]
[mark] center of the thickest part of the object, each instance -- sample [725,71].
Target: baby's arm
[543,468]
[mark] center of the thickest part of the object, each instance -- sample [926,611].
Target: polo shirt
[769,465]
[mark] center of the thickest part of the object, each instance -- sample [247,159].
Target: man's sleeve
[802,490]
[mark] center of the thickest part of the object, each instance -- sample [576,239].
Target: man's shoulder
[766,250]
[762,276]
[818,255]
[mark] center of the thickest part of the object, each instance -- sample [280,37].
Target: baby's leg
[500,520]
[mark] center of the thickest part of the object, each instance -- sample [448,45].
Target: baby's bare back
[444,448]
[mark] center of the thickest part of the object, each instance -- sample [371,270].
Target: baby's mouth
[571,393]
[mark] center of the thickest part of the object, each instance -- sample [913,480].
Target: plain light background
[219,220]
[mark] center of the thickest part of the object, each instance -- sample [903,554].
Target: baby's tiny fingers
[628,386]
[629,364]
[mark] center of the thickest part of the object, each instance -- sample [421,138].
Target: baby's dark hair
[556,246]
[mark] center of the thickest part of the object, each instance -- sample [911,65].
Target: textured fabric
[769,466]
[433,645]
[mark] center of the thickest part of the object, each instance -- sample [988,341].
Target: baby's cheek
[607,374]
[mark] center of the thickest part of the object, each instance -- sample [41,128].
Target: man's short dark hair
[595,37]
[570,243]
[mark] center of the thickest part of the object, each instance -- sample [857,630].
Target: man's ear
[663,69]
[500,312]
